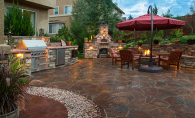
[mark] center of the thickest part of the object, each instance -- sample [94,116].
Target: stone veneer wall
[93,53]
[68,59]
[187,59]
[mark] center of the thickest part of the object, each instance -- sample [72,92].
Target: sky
[139,7]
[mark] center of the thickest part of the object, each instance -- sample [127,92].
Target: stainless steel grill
[39,56]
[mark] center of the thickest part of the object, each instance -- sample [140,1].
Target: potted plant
[140,42]
[57,39]
[86,40]
[190,39]
[11,91]
[68,41]
[90,41]
[157,40]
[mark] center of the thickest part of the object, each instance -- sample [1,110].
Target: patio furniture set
[132,55]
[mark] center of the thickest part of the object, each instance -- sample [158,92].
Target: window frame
[54,11]
[57,27]
[67,6]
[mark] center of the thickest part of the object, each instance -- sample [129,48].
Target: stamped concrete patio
[122,93]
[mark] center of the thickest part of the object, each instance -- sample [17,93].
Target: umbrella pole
[150,68]
[150,63]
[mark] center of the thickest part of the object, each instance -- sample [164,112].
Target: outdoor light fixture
[20,55]
[90,48]
[120,47]
[76,48]
[43,39]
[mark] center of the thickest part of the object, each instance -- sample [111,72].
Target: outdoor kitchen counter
[61,47]
[14,51]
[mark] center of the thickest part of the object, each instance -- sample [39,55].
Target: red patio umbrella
[143,23]
[150,22]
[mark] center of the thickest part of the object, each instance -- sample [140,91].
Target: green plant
[11,91]
[126,47]
[173,40]
[46,35]
[73,42]
[165,42]
[68,38]
[85,38]
[157,38]
[19,21]
[80,56]
[140,41]
[182,40]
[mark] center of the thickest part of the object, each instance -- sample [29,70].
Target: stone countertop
[19,51]
[60,47]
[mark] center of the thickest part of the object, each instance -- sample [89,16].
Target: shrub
[11,91]
[17,22]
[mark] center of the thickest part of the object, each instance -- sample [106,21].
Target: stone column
[7,48]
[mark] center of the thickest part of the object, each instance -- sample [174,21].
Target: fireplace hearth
[102,43]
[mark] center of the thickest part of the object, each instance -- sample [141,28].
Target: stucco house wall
[1,21]
[41,15]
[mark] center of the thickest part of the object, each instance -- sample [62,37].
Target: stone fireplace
[101,44]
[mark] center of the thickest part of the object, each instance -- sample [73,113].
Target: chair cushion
[134,50]
[164,59]
[136,58]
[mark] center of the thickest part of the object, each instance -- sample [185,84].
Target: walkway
[126,93]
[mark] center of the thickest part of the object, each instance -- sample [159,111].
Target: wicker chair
[114,56]
[127,56]
[173,58]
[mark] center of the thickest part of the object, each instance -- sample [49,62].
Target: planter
[156,41]
[139,44]
[68,43]
[90,44]
[90,41]
[191,42]
[177,41]
[13,114]
[57,40]
[119,41]
[86,41]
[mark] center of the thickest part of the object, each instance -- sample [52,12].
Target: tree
[168,14]
[18,22]
[189,18]
[88,14]
[130,17]
[155,9]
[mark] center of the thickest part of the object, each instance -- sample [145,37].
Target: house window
[60,26]
[67,9]
[56,11]
[52,28]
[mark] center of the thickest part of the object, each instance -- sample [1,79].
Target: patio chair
[115,57]
[134,50]
[127,56]
[173,58]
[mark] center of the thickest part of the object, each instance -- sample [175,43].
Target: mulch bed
[41,107]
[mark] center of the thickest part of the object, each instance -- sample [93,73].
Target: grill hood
[31,45]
